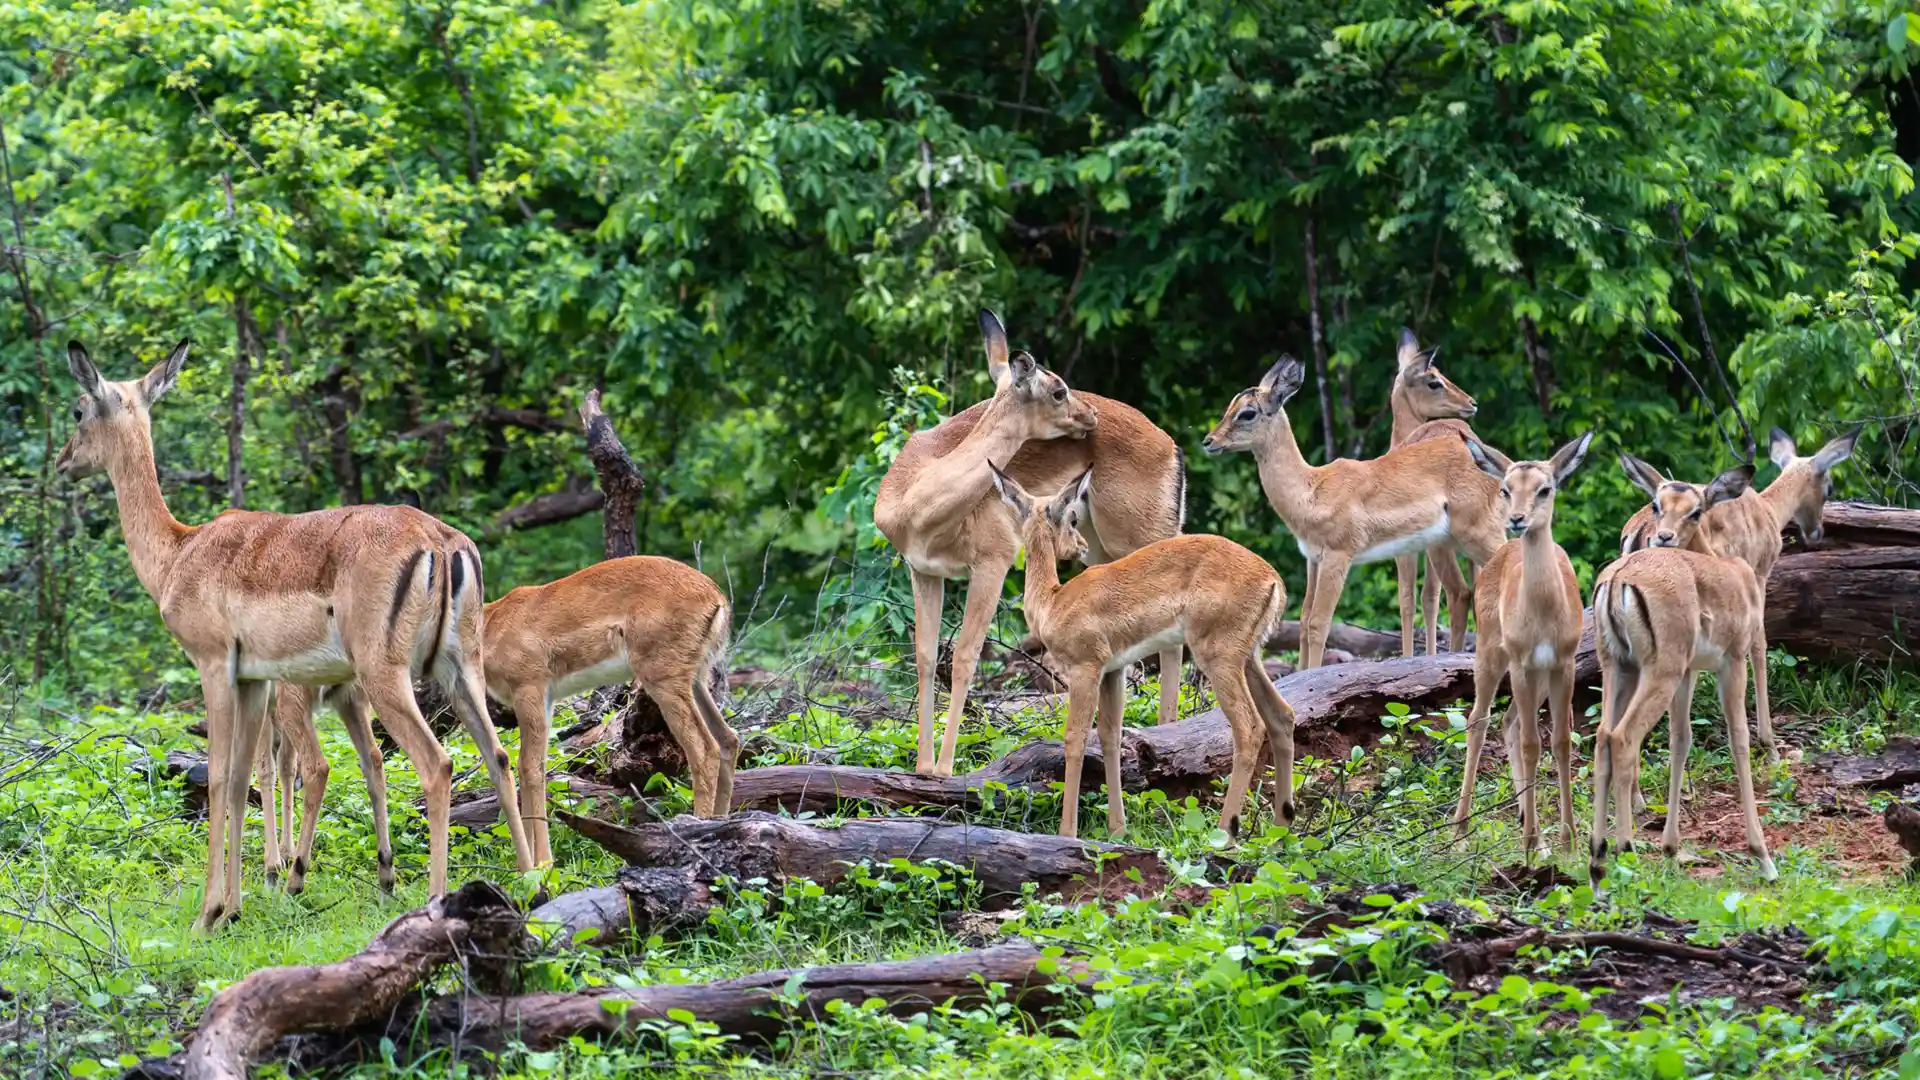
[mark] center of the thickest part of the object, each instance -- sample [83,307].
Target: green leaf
[1668,1064]
[1897,34]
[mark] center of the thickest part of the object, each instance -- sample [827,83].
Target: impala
[936,506]
[372,594]
[1206,592]
[1427,405]
[1348,512]
[1529,605]
[1662,614]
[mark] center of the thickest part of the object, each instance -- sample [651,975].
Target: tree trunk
[1002,862]
[1317,331]
[246,348]
[336,404]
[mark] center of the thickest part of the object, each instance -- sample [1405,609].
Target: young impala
[1661,614]
[660,624]
[1427,405]
[372,594]
[1348,512]
[1205,592]
[936,506]
[1529,605]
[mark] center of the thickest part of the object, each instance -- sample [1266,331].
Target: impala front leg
[1083,697]
[1328,584]
[927,596]
[1406,571]
[983,599]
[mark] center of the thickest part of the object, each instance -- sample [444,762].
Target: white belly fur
[1165,639]
[323,664]
[1439,531]
[614,669]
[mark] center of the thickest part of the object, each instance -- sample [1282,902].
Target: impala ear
[1020,368]
[1412,360]
[166,372]
[996,337]
[1835,452]
[1070,496]
[1012,494]
[1728,485]
[1644,476]
[1568,458]
[80,366]
[1281,382]
[1780,447]
[1491,461]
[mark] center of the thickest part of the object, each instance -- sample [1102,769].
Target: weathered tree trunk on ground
[1002,862]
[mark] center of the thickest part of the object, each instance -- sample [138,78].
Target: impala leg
[1488,666]
[1620,686]
[1733,701]
[1112,711]
[983,599]
[1757,655]
[1523,753]
[391,693]
[250,721]
[530,705]
[1170,673]
[726,742]
[267,768]
[1332,580]
[1228,675]
[1278,717]
[1560,703]
[1406,569]
[469,696]
[293,717]
[1083,697]
[689,729]
[355,718]
[927,595]
[1443,563]
[1306,606]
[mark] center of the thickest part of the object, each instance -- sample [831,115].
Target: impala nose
[1516,525]
[1663,538]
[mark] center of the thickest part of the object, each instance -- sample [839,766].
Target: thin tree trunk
[1318,332]
[1541,363]
[335,405]
[246,347]
[46,602]
[1706,337]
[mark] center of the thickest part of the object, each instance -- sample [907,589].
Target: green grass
[100,880]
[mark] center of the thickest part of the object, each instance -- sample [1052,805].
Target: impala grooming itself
[1348,512]
[1206,592]
[372,594]
[659,623]
[936,506]
[1662,614]
[1529,604]
[1747,528]
[1427,405]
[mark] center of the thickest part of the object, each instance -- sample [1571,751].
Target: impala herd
[347,607]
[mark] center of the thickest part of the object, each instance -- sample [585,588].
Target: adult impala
[1427,405]
[372,594]
[1348,512]
[937,507]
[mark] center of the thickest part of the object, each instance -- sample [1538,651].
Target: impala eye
[1505,494]
[1247,414]
[1060,394]
[1546,492]
[1434,385]
[79,414]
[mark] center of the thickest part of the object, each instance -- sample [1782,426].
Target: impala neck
[1404,420]
[1043,578]
[1284,473]
[1781,496]
[153,536]
[1538,567]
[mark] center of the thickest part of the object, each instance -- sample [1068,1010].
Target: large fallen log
[759,1006]
[244,1020]
[1002,862]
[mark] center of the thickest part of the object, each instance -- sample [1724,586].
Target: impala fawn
[936,506]
[1529,605]
[1427,405]
[1662,614]
[373,594]
[1349,512]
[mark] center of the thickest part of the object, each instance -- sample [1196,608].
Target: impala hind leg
[1489,665]
[1170,673]
[1229,678]
[1278,717]
[1406,571]
[358,721]
[1733,701]
[271,773]
[1443,563]
[293,719]
[928,592]
[1522,737]
[467,691]
[534,712]
[983,599]
[391,694]
[1757,655]
[249,724]
[725,738]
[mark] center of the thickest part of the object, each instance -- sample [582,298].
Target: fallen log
[759,1006]
[1895,766]
[247,1018]
[1002,862]
[1363,643]
[642,901]
[1847,603]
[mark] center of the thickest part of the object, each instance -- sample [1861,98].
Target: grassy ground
[100,879]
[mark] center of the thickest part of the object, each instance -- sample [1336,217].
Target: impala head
[1251,411]
[1679,506]
[1427,393]
[1527,487]
[1034,398]
[1058,520]
[1807,482]
[111,417]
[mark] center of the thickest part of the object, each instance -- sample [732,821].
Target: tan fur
[1529,604]
[664,624]
[1206,592]
[255,598]
[936,506]
[1427,405]
[1660,615]
[1348,512]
